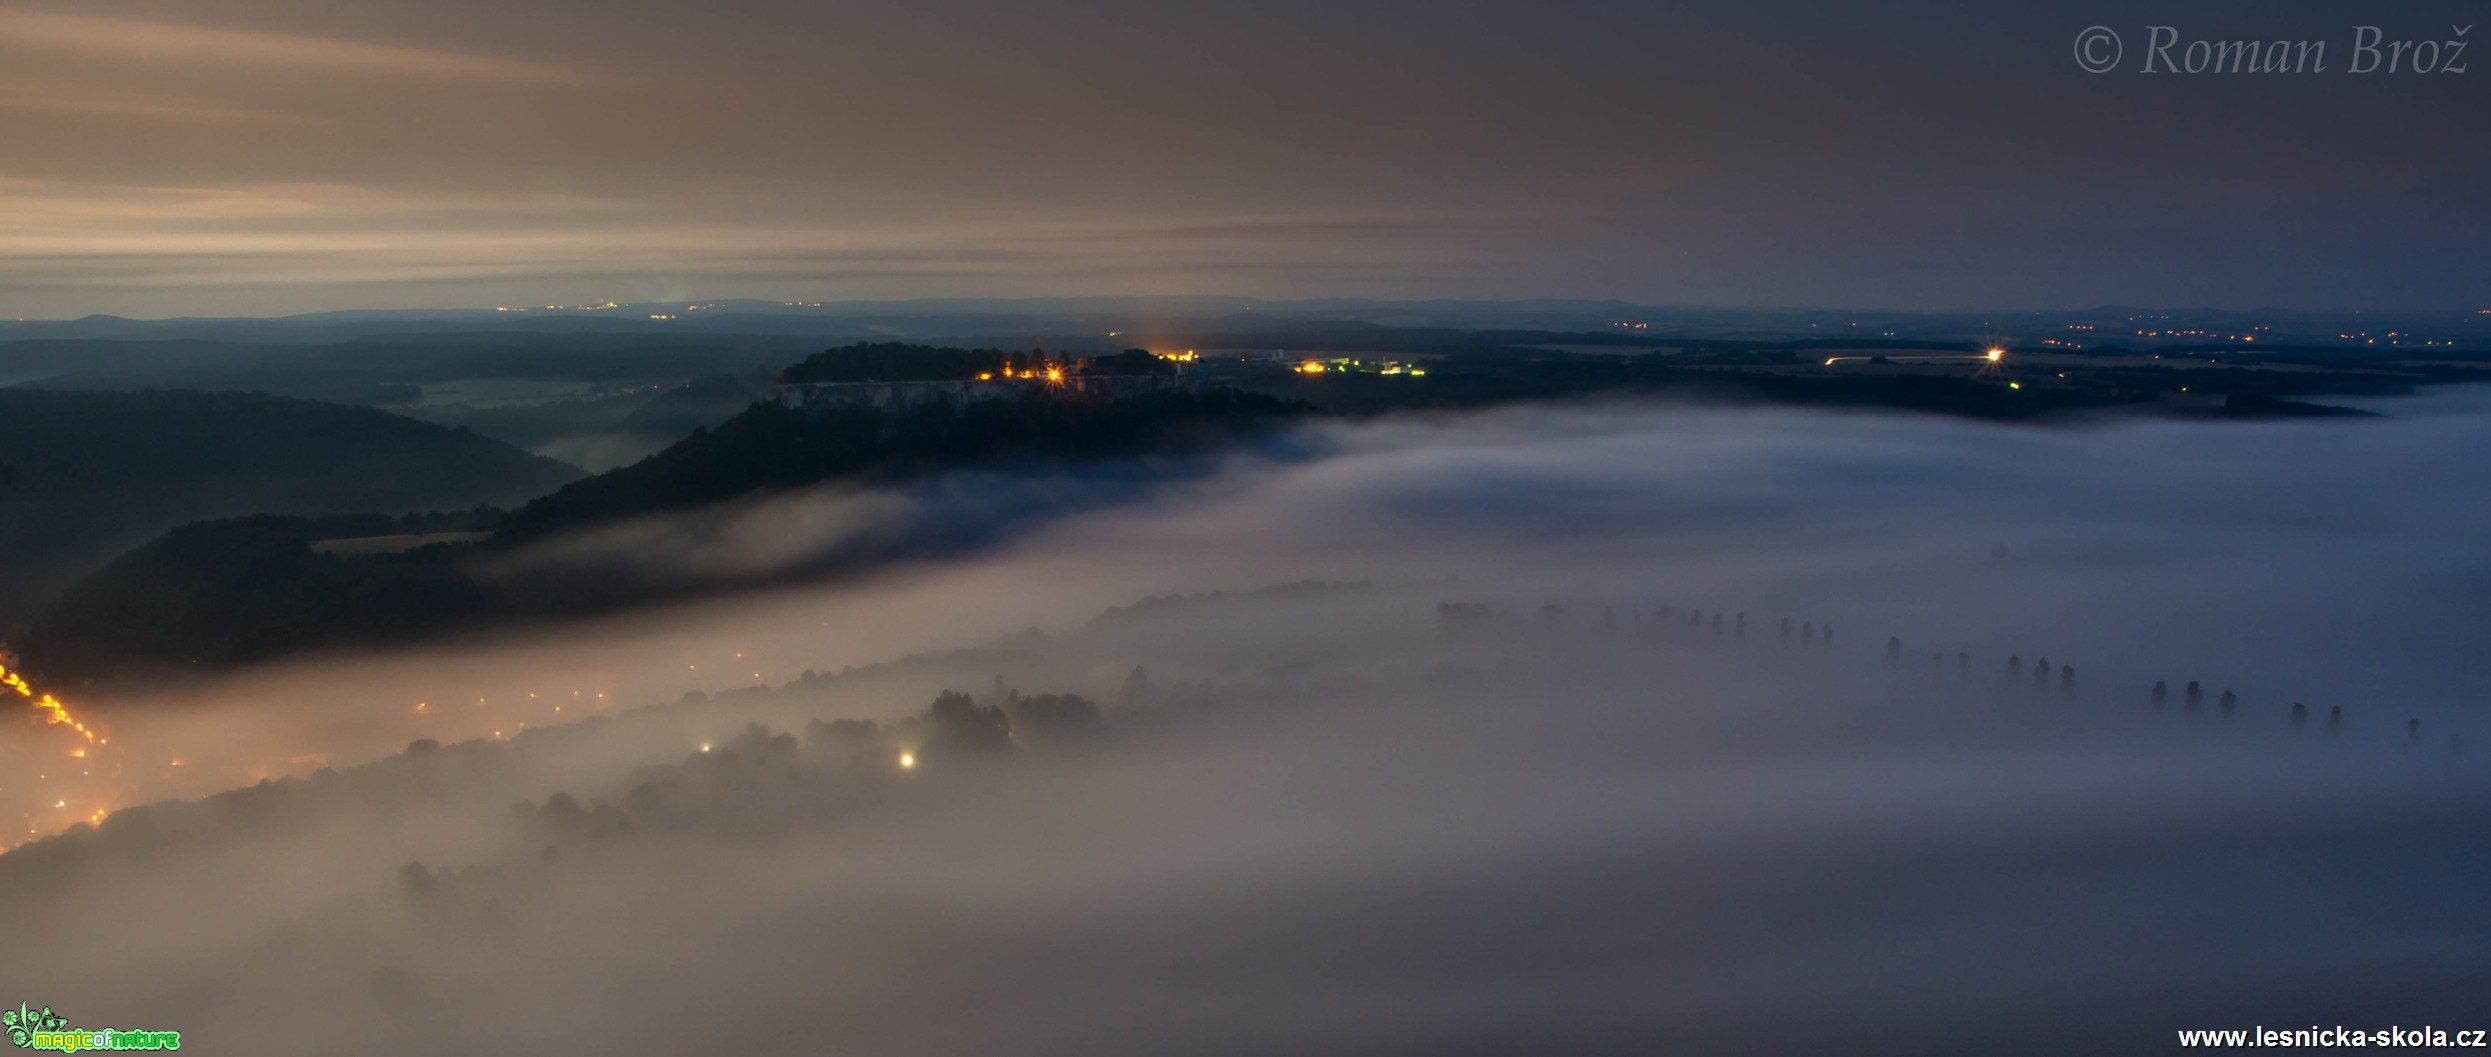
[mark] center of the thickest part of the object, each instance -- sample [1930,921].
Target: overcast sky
[260,156]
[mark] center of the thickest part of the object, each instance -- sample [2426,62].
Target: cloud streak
[158,41]
[165,111]
[64,235]
[1615,151]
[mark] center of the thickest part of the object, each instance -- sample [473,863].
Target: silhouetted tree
[959,724]
[2162,693]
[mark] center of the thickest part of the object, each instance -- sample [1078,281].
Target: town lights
[51,707]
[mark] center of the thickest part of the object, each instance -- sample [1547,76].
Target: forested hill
[769,447]
[241,590]
[87,475]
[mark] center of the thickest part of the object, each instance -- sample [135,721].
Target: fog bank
[1501,771]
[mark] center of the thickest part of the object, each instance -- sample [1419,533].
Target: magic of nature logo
[42,1029]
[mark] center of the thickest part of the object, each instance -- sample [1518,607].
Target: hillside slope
[242,590]
[87,475]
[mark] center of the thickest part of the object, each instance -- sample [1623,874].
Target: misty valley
[1313,803]
[1116,529]
[1451,690]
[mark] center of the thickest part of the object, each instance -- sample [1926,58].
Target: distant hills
[687,458]
[387,368]
[226,592]
[87,475]
[599,433]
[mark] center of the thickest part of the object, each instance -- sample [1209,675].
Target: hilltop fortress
[896,377]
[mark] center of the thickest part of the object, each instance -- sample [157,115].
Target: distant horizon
[970,303]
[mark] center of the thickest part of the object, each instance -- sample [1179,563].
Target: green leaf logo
[24,1022]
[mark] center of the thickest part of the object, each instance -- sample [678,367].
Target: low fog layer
[1524,759]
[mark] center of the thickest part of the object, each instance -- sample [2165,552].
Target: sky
[274,156]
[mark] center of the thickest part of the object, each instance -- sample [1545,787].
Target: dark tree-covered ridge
[769,446]
[87,475]
[222,593]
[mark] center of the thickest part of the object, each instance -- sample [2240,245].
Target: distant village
[901,378]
